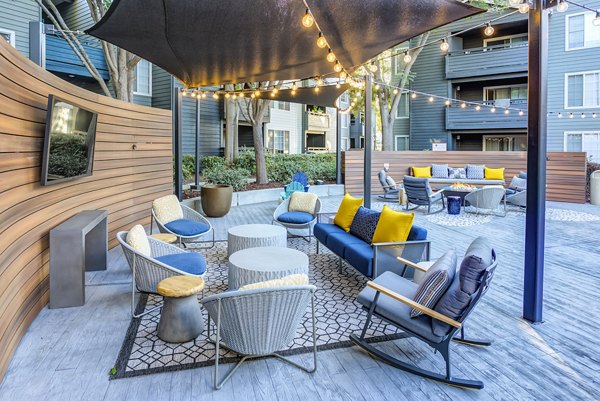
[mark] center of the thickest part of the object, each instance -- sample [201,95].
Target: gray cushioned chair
[390,192]
[419,193]
[259,322]
[487,198]
[296,220]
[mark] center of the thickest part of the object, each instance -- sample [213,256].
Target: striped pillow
[436,282]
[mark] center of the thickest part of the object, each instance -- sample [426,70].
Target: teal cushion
[189,262]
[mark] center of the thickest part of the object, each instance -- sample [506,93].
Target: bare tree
[121,64]
[231,122]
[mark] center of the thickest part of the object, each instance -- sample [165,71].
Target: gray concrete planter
[216,199]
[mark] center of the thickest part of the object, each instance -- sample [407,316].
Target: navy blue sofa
[373,260]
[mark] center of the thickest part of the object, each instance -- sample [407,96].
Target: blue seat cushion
[187,228]
[397,311]
[189,262]
[360,256]
[339,242]
[322,231]
[417,233]
[295,217]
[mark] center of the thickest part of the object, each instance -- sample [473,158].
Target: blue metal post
[368,139]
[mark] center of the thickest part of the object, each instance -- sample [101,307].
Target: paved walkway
[67,353]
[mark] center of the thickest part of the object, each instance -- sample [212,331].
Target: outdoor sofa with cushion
[470,174]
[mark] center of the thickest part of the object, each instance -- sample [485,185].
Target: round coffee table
[254,265]
[255,235]
[181,317]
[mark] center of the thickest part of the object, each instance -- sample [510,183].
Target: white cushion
[303,202]
[167,209]
[292,279]
[137,239]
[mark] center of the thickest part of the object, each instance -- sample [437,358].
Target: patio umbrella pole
[338,147]
[536,163]
[368,139]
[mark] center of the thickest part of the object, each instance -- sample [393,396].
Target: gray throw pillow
[453,304]
[439,170]
[478,258]
[475,172]
[436,282]
[523,175]
[518,184]
[390,182]
[458,172]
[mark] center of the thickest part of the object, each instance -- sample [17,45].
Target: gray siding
[210,126]
[162,87]
[560,63]
[76,14]
[15,16]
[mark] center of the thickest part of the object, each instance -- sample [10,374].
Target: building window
[278,141]
[403,107]
[9,36]
[582,90]
[345,120]
[279,105]
[588,142]
[399,58]
[345,98]
[507,41]
[504,96]
[143,78]
[581,32]
[504,143]
[400,142]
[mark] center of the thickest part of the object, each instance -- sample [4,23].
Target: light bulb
[413,95]
[463,105]
[272,94]
[308,19]
[337,67]
[257,93]
[275,90]
[321,42]
[352,104]
[431,99]
[377,87]
[343,75]
[594,115]
[234,96]
[521,112]
[294,86]
[447,102]
[407,57]
[506,111]
[559,115]
[478,107]
[582,115]
[183,92]
[253,96]
[317,89]
[204,95]
[444,46]
[227,95]
[562,6]
[338,86]
[524,7]
[395,91]
[596,20]
[489,30]
[215,95]
[493,109]
[571,115]
[241,94]
[319,81]
[373,67]
[330,56]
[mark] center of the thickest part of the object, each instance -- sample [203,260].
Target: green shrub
[234,176]
[188,167]
[246,160]
[68,155]
[282,167]
[211,162]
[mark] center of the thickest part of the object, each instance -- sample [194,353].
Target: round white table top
[267,259]
[257,230]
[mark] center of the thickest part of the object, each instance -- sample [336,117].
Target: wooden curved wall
[124,181]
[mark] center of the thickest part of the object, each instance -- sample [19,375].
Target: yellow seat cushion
[422,172]
[347,211]
[292,279]
[137,239]
[167,209]
[303,202]
[494,173]
[393,226]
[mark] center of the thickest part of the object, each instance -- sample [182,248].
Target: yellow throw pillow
[292,279]
[393,226]
[422,172]
[346,212]
[137,239]
[167,209]
[303,202]
[494,173]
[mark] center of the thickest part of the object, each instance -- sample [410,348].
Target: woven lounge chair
[487,198]
[517,198]
[419,193]
[296,220]
[259,322]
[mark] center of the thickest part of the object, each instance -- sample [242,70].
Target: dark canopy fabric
[214,42]
[326,96]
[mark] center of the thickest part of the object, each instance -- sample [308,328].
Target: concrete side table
[254,265]
[181,317]
[255,235]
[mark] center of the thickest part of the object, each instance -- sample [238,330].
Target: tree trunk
[259,152]
[387,123]
[231,122]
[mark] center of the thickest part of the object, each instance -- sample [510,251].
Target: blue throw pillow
[295,217]
[187,228]
[364,224]
[189,262]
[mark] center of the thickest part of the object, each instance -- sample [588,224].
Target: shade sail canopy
[208,42]
[326,96]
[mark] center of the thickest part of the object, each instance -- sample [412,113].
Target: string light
[562,6]
[431,99]
[317,89]
[215,95]
[343,75]
[321,42]
[463,105]
[337,67]
[582,115]
[241,94]
[413,95]
[596,20]
[444,46]
[377,87]
[204,95]
[521,112]
[308,19]
[227,95]
[395,91]
[330,56]
[593,115]
[183,92]
[489,30]
[506,111]
[560,115]
[275,90]
[338,86]
[524,7]
[493,109]
[407,57]
[373,67]
[571,115]
[319,81]
[478,107]
[253,96]
[447,102]
[257,93]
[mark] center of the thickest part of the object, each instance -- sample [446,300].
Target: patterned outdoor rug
[337,314]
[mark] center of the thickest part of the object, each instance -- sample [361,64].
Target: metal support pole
[197,148]
[338,147]
[536,163]
[177,133]
[368,139]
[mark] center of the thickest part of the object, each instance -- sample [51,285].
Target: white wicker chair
[147,271]
[188,214]
[518,198]
[283,208]
[487,198]
[259,322]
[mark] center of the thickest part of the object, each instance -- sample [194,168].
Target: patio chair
[390,188]
[302,179]
[389,297]
[487,198]
[296,220]
[259,322]
[419,193]
[182,221]
[164,261]
[290,188]
[517,199]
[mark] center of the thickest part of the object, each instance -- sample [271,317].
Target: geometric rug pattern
[337,315]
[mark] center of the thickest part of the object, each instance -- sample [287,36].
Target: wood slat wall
[124,182]
[566,172]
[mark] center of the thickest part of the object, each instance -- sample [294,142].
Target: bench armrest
[321,214]
[415,305]
[384,244]
[436,193]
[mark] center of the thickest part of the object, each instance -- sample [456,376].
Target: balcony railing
[491,60]
[470,119]
[318,121]
[61,58]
